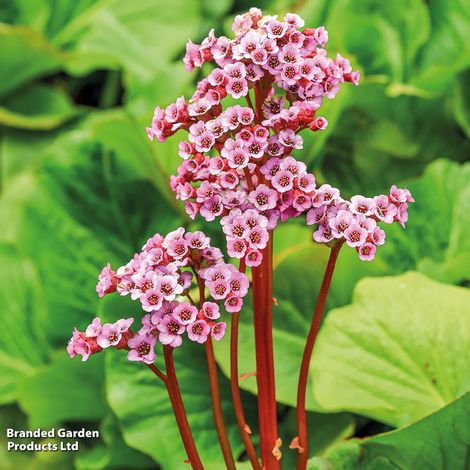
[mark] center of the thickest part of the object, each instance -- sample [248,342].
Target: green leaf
[24,55]
[461,103]
[38,107]
[22,344]
[296,282]
[64,390]
[438,249]
[71,219]
[325,430]
[139,28]
[439,441]
[447,52]
[113,453]
[140,401]
[397,353]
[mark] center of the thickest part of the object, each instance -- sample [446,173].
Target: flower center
[144,349]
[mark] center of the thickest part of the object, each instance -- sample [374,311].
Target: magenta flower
[110,335]
[151,300]
[218,330]
[233,304]
[367,251]
[142,348]
[355,235]
[170,331]
[199,331]
[94,329]
[210,310]
[185,313]
[107,281]
[263,197]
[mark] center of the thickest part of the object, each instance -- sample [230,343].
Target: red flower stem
[262,307]
[217,408]
[303,376]
[234,384]
[215,392]
[157,372]
[179,411]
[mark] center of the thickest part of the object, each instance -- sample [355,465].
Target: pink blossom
[233,304]
[210,310]
[170,331]
[283,181]
[367,251]
[218,330]
[263,197]
[199,331]
[151,300]
[185,313]
[94,329]
[355,235]
[107,281]
[362,205]
[142,348]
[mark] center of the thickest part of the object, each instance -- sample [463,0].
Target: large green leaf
[22,344]
[447,51]
[436,237]
[24,54]
[71,219]
[64,390]
[38,107]
[140,401]
[140,28]
[440,441]
[112,452]
[398,352]
[296,283]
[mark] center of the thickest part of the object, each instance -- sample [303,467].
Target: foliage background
[81,185]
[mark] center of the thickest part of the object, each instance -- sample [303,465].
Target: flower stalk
[215,393]
[262,308]
[235,388]
[302,444]
[174,393]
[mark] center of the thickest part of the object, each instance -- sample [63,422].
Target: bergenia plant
[238,169]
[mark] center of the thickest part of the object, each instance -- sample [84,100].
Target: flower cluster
[97,337]
[355,221]
[237,160]
[159,277]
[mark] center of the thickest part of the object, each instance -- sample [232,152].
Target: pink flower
[367,251]
[82,346]
[210,310]
[237,87]
[257,237]
[355,235]
[362,205]
[283,181]
[185,313]
[233,304]
[107,281]
[384,210]
[142,348]
[378,236]
[218,330]
[151,300]
[199,331]
[94,329]
[263,197]
[168,287]
[341,222]
[170,331]
[110,335]
[253,258]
